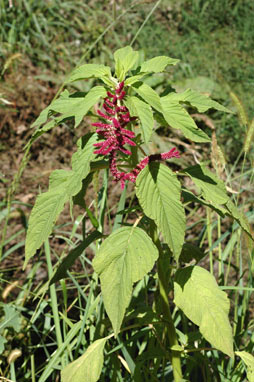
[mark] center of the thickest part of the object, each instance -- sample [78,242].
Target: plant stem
[32,368]
[209,237]
[53,298]
[170,328]
[114,10]
[221,265]
[176,355]
[13,373]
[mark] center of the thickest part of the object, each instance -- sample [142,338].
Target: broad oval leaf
[123,258]
[88,71]
[248,359]
[215,194]
[157,64]
[131,80]
[40,131]
[239,216]
[178,118]
[188,197]
[200,101]
[63,185]
[47,208]
[150,96]
[70,106]
[158,191]
[58,178]
[213,189]
[199,297]
[86,368]
[144,112]
[125,59]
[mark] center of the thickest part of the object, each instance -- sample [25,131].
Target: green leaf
[177,348]
[43,117]
[63,185]
[200,101]
[233,211]
[188,196]
[89,71]
[2,342]
[178,118]
[199,297]
[248,359]
[190,252]
[123,258]
[214,192]
[79,199]
[11,319]
[213,189]
[40,131]
[59,178]
[125,59]
[86,368]
[150,96]
[72,106]
[143,111]
[158,191]
[131,80]
[69,260]
[157,64]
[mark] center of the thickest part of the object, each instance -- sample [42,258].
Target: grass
[55,325]
[213,41]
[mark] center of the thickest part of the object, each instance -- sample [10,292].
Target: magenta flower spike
[116,136]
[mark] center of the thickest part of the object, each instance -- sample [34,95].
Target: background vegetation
[40,43]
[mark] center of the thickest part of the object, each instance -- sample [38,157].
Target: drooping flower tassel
[116,136]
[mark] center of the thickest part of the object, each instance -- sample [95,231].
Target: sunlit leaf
[178,118]
[71,106]
[214,192]
[158,191]
[131,80]
[88,71]
[41,130]
[239,216]
[200,101]
[125,59]
[248,359]
[188,196]
[143,111]
[199,297]
[86,368]
[212,188]
[63,185]
[123,258]
[157,64]
[149,95]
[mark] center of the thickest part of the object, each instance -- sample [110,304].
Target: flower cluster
[114,133]
[116,136]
